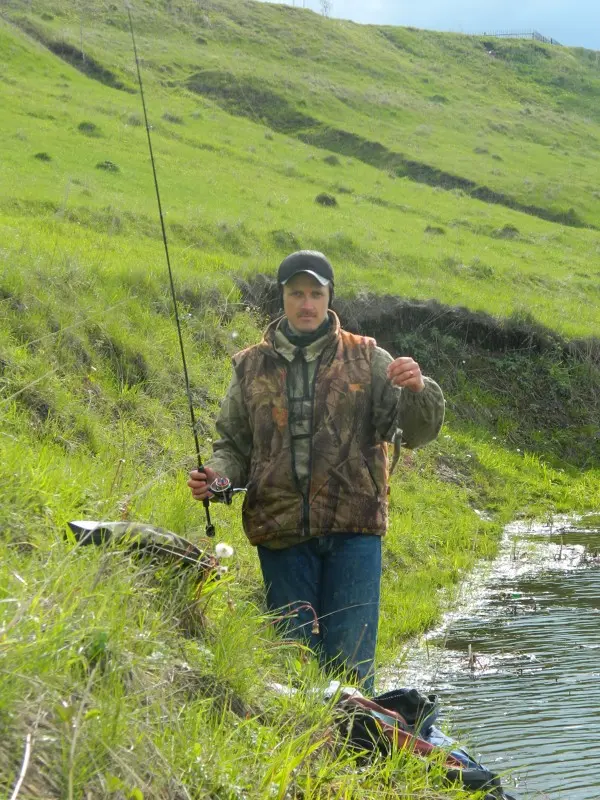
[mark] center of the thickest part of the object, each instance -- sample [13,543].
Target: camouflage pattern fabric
[347,489]
[143,540]
[396,415]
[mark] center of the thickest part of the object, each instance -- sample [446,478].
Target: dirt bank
[521,381]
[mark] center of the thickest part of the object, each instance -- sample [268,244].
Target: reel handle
[223,491]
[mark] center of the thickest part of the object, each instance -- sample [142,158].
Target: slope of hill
[460,177]
[518,125]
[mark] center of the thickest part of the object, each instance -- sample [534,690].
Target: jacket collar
[276,343]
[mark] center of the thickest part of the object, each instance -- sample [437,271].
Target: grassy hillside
[232,184]
[135,682]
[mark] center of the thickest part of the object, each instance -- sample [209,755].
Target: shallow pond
[518,667]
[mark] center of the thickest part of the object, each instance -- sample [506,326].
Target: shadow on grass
[249,97]
[82,62]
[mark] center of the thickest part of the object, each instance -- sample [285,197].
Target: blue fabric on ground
[339,576]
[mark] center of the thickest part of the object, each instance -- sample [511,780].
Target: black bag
[404,718]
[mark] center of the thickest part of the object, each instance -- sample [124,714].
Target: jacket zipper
[305,495]
[288,377]
[306,505]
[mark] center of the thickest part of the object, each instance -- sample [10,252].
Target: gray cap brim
[322,281]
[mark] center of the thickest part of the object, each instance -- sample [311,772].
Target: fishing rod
[221,487]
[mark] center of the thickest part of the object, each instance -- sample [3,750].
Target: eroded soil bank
[522,382]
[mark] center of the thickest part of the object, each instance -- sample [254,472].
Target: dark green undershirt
[304,339]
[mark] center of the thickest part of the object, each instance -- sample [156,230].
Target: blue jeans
[339,576]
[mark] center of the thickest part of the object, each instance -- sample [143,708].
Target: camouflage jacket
[306,431]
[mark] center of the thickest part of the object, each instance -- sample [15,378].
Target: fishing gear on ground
[143,540]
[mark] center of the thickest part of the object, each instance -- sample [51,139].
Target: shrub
[89,129]
[168,117]
[325,199]
[480,270]
[285,240]
[507,232]
[43,156]
[108,166]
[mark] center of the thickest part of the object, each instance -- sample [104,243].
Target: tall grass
[124,679]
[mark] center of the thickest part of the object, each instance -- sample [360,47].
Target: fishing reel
[223,491]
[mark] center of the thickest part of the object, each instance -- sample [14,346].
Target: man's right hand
[199,483]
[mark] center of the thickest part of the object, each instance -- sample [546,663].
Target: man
[305,426]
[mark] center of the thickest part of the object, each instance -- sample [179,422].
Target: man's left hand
[406,373]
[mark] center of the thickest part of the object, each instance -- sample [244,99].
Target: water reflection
[517,668]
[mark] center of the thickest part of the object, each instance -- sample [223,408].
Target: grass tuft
[89,129]
[325,199]
[108,166]
[172,118]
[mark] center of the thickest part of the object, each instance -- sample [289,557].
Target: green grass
[135,682]
[228,188]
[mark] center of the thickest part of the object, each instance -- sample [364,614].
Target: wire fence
[537,37]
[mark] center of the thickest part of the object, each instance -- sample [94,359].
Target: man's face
[305,302]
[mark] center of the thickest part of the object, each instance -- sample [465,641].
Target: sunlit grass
[232,188]
[134,682]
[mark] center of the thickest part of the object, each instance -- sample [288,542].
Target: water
[518,668]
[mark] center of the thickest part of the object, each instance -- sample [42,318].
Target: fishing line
[210,528]
[79,322]
[5,400]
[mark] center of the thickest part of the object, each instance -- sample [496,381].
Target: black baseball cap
[310,261]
